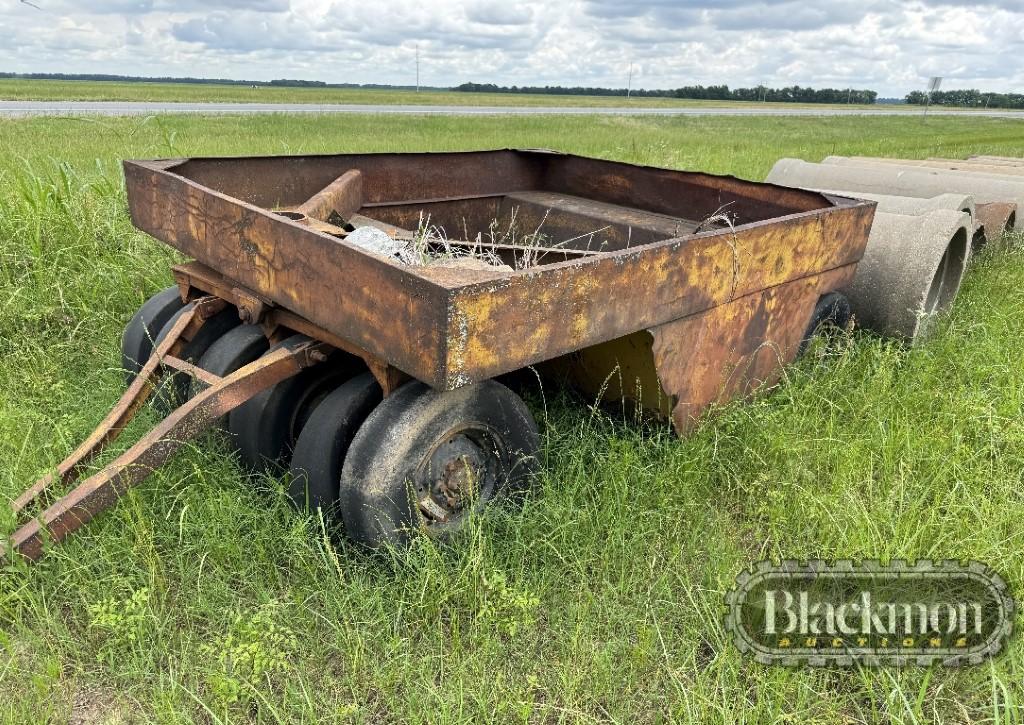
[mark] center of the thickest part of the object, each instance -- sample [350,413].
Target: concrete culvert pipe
[911,271]
[889,165]
[967,167]
[1001,160]
[990,167]
[896,181]
[910,205]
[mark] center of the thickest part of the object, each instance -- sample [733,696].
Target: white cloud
[889,46]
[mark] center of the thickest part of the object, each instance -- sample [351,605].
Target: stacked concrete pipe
[971,167]
[901,180]
[1001,160]
[912,206]
[911,271]
[896,180]
[974,168]
[986,186]
[994,217]
[916,254]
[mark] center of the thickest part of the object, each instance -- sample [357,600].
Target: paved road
[126,108]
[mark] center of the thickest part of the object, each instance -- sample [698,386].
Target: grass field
[42,90]
[203,597]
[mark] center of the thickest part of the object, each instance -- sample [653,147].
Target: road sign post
[933,85]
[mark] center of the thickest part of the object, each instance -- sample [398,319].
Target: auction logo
[869,613]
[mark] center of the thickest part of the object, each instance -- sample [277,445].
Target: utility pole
[417,67]
[629,82]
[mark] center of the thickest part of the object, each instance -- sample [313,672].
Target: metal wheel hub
[459,473]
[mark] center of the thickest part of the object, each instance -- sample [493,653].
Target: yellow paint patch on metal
[618,371]
[537,316]
[464,348]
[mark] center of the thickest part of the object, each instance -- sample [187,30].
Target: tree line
[791,94]
[278,83]
[970,98]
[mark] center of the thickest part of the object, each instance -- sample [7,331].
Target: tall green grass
[203,597]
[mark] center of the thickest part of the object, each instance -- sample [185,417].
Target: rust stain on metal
[995,219]
[197,280]
[449,327]
[618,371]
[733,349]
[342,198]
[563,307]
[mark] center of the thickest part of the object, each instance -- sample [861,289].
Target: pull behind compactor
[346,316]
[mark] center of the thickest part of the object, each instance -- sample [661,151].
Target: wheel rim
[458,476]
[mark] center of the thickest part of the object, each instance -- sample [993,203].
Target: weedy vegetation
[204,597]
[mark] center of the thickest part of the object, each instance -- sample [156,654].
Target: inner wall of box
[467,194]
[527,219]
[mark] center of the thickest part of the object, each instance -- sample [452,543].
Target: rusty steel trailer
[375,374]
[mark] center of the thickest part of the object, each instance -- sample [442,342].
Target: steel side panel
[447,330]
[662,190]
[678,370]
[269,181]
[507,324]
[378,306]
[736,348]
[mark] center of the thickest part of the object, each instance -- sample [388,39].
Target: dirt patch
[96,706]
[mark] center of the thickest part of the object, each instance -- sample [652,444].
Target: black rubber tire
[315,472]
[143,328]
[175,387]
[264,429]
[231,352]
[831,312]
[380,490]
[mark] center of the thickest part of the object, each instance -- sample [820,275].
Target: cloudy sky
[892,47]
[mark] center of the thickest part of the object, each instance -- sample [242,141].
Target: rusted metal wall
[377,305]
[449,328]
[523,319]
[734,349]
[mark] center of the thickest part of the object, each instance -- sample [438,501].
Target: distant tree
[970,98]
[794,94]
[206,81]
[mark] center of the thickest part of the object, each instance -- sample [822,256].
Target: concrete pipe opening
[911,271]
[949,275]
